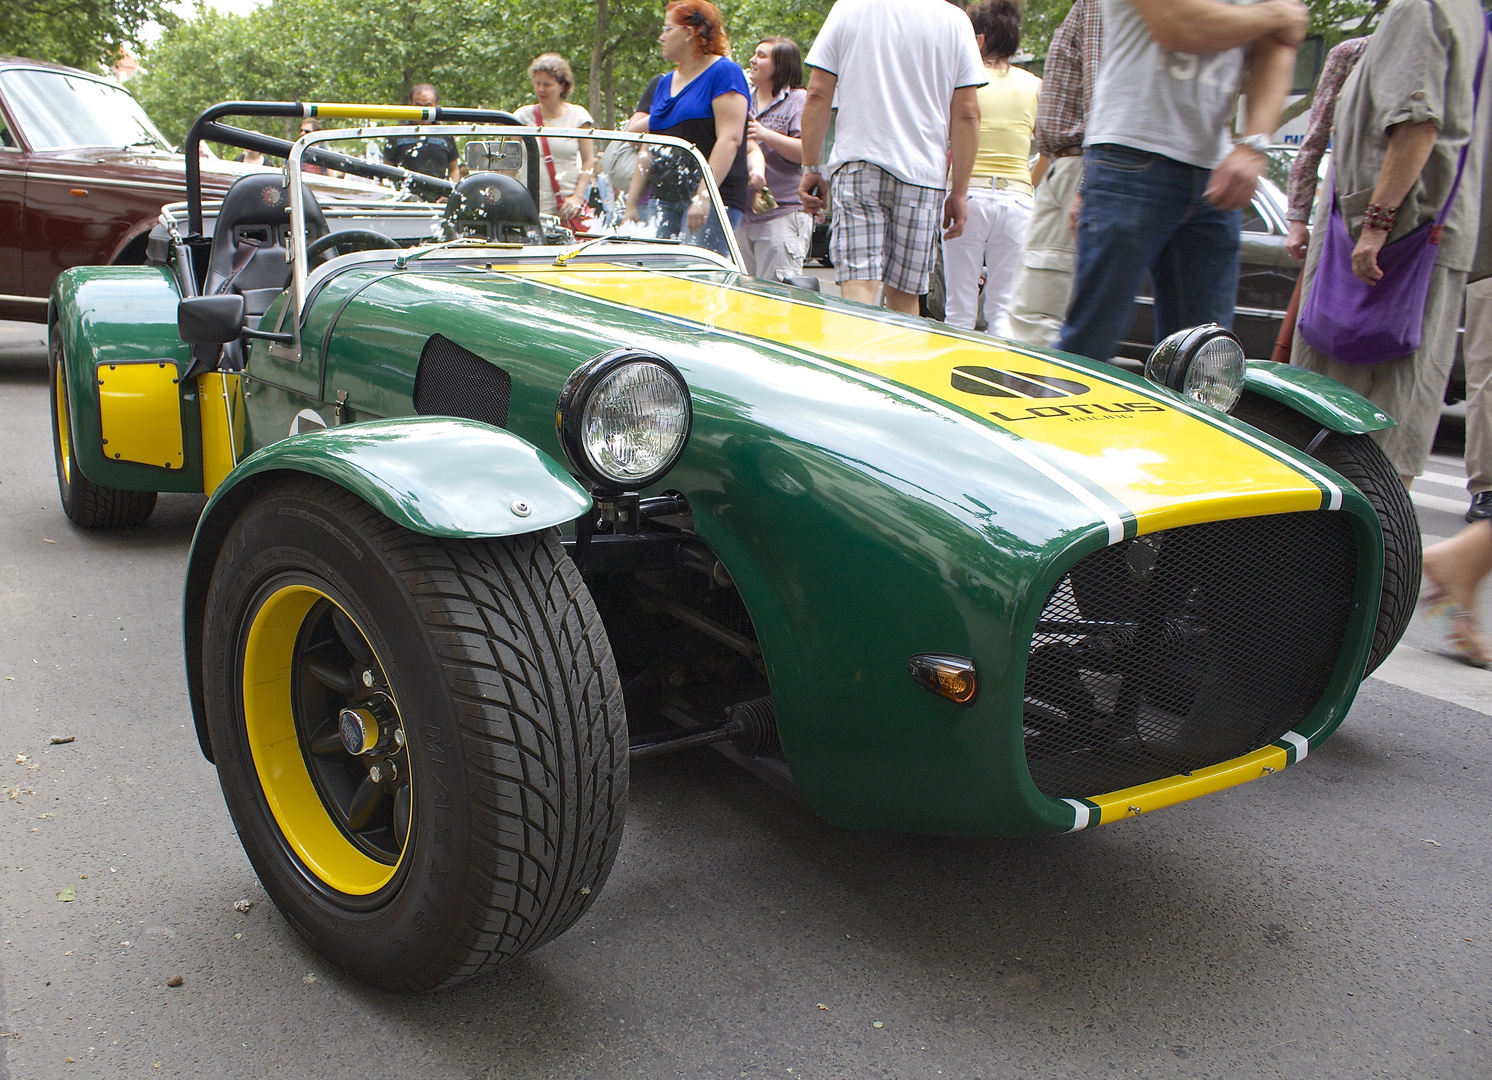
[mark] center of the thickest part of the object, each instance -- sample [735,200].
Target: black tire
[86,504]
[490,658]
[1359,459]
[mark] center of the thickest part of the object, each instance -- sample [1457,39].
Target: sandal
[1458,627]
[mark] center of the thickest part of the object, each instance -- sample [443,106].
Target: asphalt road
[1334,920]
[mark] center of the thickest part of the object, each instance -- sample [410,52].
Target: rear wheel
[89,505]
[1359,459]
[422,742]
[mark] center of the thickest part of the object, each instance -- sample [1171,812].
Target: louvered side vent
[452,381]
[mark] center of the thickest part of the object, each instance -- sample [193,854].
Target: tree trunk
[598,61]
[609,88]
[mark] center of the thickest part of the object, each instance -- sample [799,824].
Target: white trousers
[991,241]
[1043,281]
[779,244]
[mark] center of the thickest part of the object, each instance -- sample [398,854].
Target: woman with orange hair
[702,101]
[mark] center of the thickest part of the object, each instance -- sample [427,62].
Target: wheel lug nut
[383,772]
[369,680]
[399,736]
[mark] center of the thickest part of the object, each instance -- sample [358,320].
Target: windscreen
[58,111]
[546,188]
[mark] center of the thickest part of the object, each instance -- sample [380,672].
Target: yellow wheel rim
[280,759]
[64,426]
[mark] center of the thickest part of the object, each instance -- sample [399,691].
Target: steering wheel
[353,239]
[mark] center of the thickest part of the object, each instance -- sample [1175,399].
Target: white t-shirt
[897,63]
[566,152]
[1173,104]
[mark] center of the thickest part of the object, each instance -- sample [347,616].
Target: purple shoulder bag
[1353,322]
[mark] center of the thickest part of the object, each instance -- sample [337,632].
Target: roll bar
[206,126]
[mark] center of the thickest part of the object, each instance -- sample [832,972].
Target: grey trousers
[1043,277]
[1476,351]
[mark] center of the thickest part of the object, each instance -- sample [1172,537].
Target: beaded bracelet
[1379,217]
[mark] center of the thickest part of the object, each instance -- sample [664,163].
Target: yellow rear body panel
[139,407]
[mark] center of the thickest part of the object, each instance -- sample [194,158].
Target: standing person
[775,238]
[433,155]
[908,74]
[1000,188]
[1163,183]
[1402,119]
[702,101]
[569,164]
[1300,192]
[1043,279]
[307,126]
[1476,352]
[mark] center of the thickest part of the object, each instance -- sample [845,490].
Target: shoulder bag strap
[548,158]
[1476,96]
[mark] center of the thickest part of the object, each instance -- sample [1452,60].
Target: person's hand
[1076,213]
[955,214]
[1365,256]
[1294,20]
[810,190]
[754,129]
[756,180]
[1232,183]
[573,206]
[630,214]
[699,209]
[1298,240]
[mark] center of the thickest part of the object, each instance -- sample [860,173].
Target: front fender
[1324,400]
[440,476]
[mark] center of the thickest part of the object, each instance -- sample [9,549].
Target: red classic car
[83,176]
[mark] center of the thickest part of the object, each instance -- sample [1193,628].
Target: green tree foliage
[83,33]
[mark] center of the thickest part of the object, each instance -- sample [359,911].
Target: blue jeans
[1142,211]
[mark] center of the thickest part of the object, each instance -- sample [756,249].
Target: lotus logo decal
[1028,386]
[992,382]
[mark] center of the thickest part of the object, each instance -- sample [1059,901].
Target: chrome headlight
[624,418]
[1204,363]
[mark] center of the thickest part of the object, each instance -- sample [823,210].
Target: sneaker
[1481,506]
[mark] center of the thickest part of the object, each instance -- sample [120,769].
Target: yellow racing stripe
[1167,467]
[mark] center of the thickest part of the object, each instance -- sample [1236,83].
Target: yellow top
[1007,117]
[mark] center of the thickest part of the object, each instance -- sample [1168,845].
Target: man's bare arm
[1201,27]
[815,126]
[1409,147]
[1271,69]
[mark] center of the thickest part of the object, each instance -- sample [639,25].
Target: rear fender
[439,476]
[124,359]
[1323,400]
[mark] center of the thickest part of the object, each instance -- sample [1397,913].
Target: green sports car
[501,500]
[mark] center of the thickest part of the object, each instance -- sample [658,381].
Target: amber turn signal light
[948,676]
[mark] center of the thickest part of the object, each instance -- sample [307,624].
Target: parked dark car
[83,176]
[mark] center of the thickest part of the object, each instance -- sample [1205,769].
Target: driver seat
[249,244]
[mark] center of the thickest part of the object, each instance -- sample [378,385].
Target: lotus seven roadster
[500,501]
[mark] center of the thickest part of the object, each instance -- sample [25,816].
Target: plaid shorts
[884,228]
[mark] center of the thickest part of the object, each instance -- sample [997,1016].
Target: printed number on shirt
[1185,66]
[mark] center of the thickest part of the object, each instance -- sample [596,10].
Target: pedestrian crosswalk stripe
[1439,502]
[1444,479]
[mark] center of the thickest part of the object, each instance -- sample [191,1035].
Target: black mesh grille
[452,381]
[1185,648]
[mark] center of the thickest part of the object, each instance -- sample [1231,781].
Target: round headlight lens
[624,418]
[635,422]
[1204,363]
[1215,375]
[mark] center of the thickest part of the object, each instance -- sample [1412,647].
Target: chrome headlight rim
[576,395]
[1171,361]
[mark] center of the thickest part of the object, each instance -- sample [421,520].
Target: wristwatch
[1257,143]
[807,168]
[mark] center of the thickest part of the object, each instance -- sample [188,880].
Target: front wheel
[86,504]
[421,741]
[1359,459]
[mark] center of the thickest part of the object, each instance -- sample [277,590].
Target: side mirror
[210,320]
[496,155]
